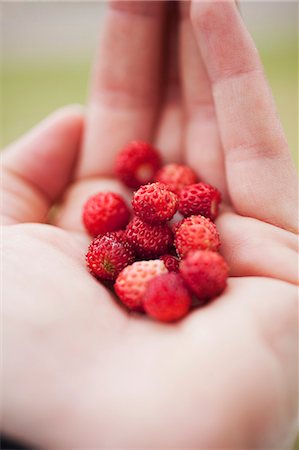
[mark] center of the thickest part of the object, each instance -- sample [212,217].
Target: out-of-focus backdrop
[47,48]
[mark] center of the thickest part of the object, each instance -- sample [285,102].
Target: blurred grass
[31,91]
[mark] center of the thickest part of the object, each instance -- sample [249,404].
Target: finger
[202,141]
[37,168]
[126,82]
[260,172]
[255,248]
[169,139]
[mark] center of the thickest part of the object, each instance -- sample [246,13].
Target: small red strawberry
[108,254]
[137,164]
[166,298]
[148,241]
[105,211]
[205,273]
[171,263]
[196,233]
[120,235]
[200,198]
[132,282]
[154,203]
[176,177]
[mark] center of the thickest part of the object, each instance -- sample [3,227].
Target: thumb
[37,168]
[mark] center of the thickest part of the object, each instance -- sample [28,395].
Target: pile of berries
[158,267]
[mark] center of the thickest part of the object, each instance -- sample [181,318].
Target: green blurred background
[47,48]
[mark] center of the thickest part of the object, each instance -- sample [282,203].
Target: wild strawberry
[171,263]
[154,203]
[137,163]
[132,282]
[176,177]
[120,235]
[148,241]
[166,298]
[200,198]
[108,254]
[194,233]
[105,211]
[205,273]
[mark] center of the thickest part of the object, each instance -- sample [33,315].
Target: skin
[79,370]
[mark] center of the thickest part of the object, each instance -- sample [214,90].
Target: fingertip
[44,159]
[65,125]
[71,114]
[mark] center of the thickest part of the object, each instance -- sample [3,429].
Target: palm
[139,383]
[182,382]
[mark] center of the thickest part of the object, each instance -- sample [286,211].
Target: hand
[79,371]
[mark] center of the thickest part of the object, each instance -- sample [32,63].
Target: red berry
[176,177]
[171,263]
[132,282]
[148,241]
[166,298]
[120,235]
[200,198]
[196,233]
[154,203]
[205,273]
[108,255]
[104,212]
[137,164]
